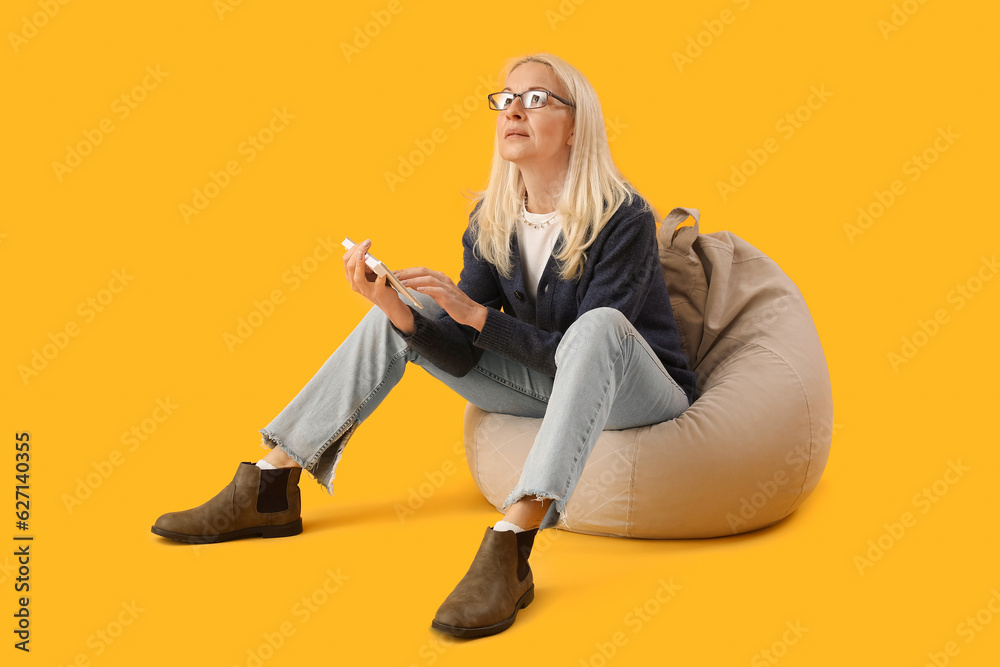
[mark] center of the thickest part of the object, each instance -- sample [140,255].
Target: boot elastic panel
[272,493]
[525,540]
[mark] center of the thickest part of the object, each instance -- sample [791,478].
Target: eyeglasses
[530,99]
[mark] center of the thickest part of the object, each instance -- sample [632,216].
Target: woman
[586,340]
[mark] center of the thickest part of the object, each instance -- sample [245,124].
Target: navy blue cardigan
[622,271]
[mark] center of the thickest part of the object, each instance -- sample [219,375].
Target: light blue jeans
[607,378]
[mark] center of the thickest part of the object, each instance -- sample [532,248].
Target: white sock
[264,465]
[503,524]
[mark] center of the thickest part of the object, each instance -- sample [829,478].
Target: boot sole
[286,530]
[487,630]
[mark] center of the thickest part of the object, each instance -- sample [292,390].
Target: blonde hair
[593,190]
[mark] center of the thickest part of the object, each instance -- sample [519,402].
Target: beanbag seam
[809,413]
[634,456]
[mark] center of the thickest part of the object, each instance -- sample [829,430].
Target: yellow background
[678,132]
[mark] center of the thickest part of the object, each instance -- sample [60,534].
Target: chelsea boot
[498,584]
[257,503]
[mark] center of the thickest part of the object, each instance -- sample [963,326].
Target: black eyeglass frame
[533,90]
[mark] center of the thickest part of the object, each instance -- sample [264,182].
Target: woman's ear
[569,142]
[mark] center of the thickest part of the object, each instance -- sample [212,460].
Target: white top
[536,246]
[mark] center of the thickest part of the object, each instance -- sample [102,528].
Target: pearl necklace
[536,225]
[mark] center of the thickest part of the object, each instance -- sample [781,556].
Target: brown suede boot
[264,503]
[498,584]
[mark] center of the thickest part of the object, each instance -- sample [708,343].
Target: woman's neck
[544,188]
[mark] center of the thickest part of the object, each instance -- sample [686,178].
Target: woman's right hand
[375,288]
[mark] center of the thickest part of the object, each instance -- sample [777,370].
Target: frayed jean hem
[323,477]
[554,517]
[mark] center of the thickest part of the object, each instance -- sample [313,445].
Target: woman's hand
[446,293]
[376,289]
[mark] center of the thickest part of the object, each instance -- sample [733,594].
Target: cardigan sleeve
[443,341]
[624,266]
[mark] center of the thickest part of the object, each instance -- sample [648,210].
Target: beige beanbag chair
[745,454]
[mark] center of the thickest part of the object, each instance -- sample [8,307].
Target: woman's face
[537,137]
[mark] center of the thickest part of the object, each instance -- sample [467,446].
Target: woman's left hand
[439,287]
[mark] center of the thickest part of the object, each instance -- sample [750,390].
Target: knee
[595,328]
[598,321]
